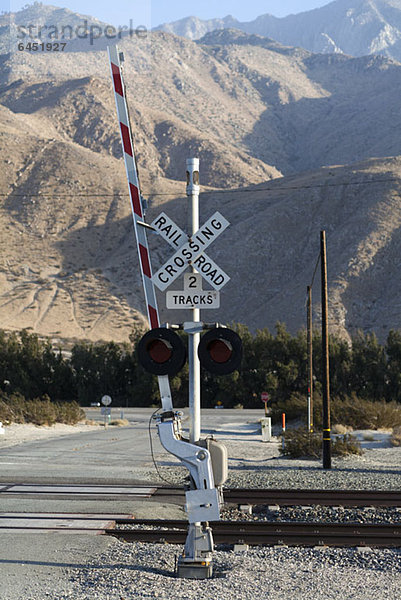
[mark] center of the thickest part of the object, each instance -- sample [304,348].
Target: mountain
[37,21]
[194,28]
[290,142]
[253,108]
[354,27]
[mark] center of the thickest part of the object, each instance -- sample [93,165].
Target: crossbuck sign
[190,251]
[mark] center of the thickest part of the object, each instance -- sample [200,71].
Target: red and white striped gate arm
[133,184]
[136,207]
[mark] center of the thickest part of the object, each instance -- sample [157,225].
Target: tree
[368,366]
[393,371]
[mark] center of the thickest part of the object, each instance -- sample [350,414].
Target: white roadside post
[106,411]
[266,422]
[194,338]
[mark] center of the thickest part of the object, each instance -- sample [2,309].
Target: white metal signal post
[194,337]
[161,350]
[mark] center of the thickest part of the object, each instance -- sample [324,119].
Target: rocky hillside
[266,121]
[355,27]
[253,108]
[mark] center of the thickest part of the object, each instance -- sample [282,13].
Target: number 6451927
[43,46]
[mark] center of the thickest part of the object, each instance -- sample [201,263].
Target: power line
[218,191]
[294,187]
[313,276]
[314,272]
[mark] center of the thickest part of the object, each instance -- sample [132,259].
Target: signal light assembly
[161,352]
[220,351]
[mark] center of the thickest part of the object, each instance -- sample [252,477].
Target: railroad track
[224,532]
[76,492]
[289,497]
[78,523]
[264,533]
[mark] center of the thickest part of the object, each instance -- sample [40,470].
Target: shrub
[352,411]
[119,423]
[12,409]
[346,445]
[40,411]
[341,429]
[294,408]
[365,414]
[69,412]
[299,443]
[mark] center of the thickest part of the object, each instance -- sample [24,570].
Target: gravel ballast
[141,570]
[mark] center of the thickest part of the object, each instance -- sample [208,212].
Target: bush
[365,414]
[341,429]
[119,423]
[346,445]
[299,443]
[69,412]
[12,409]
[40,411]
[294,408]
[351,411]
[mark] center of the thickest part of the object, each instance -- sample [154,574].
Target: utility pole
[193,338]
[310,364]
[325,357]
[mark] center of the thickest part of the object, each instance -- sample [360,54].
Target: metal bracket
[203,503]
[165,393]
[192,326]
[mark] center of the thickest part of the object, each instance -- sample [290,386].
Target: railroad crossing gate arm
[137,209]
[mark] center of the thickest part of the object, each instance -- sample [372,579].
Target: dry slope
[68,265]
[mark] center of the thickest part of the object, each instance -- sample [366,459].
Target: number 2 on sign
[192,281]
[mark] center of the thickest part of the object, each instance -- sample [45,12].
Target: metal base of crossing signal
[194,570]
[196,560]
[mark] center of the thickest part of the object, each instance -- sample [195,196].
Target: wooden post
[310,364]
[325,357]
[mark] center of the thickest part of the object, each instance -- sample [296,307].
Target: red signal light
[161,352]
[220,351]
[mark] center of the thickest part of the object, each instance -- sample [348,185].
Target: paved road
[109,455]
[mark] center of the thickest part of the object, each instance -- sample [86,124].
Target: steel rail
[295,497]
[323,497]
[286,497]
[266,533]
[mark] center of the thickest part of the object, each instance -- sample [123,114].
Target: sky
[154,12]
